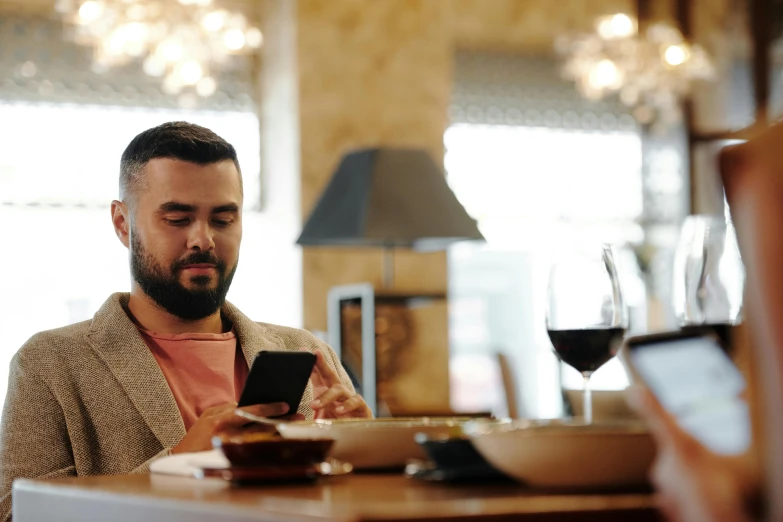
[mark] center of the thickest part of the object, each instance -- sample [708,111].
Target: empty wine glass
[708,275]
[586,318]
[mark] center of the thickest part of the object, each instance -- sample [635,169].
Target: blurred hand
[222,417]
[761,153]
[752,174]
[332,399]
[694,484]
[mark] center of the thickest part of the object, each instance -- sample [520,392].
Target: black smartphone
[697,382]
[278,377]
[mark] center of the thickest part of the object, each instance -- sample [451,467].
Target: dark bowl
[456,459]
[264,449]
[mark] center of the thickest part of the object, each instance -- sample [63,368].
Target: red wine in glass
[587,349]
[586,317]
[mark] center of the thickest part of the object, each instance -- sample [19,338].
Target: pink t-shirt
[202,370]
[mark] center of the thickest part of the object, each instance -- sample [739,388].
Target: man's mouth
[199,269]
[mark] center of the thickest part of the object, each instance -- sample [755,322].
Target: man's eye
[177,222]
[222,222]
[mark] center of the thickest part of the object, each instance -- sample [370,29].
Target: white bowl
[373,443]
[565,454]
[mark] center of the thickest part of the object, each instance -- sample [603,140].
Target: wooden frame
[364,293]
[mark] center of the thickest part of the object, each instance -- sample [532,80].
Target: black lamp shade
[391,198]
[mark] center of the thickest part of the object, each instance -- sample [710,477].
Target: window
[536,165]
[530,187]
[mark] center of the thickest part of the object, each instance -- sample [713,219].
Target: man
[159,370]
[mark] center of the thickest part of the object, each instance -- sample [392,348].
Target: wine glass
[586,318]
[708,276]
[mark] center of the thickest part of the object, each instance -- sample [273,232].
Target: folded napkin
[189,464]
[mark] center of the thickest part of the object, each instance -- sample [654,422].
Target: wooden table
[357,497]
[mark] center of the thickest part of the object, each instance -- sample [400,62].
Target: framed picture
[392,345]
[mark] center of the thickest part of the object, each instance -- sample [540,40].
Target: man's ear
[120,218]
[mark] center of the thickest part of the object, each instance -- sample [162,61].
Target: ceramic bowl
[455,459]
[566,454]
[374,443]
[263,449]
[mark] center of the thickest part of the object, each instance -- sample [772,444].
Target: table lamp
[388,197]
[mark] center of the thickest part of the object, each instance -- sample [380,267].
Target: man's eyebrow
[173,206]
[230,207]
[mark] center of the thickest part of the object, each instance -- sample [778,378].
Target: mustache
[199,258]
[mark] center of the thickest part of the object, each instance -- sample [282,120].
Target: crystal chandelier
[651,72]
[180,41]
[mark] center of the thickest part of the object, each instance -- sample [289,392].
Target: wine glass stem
[587,397]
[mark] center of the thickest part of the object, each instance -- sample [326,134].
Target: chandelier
[180,41]
[650,72]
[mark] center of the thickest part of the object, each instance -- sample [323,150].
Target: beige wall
[378,72]
[524,25]
[372,73]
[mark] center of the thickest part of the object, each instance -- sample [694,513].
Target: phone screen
[695,380]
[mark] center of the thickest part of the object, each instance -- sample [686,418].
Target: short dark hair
[178,140]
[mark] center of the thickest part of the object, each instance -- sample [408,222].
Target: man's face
[185,235]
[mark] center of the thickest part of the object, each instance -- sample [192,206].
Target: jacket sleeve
[34,441]
[144,467]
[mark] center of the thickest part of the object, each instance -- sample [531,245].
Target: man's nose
[200,237]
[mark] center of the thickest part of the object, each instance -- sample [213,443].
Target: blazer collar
[117,341]
[252,336]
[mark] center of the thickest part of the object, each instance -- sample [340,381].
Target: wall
[378,72]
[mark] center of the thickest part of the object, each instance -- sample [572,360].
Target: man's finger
[351,405]
[666,476]
[326,373]
[231,420]
[663,427]
[337,392]
[668,507]
[274,409]
[227,422]
[219,411]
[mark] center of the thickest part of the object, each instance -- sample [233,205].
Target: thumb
[662,424]
[274,409]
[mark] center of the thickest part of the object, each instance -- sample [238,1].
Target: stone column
[370,74]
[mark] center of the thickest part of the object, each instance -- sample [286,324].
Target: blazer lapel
[251,336]
[118,343]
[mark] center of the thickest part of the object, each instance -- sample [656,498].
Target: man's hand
[333,400]
[217,418]
[694,484]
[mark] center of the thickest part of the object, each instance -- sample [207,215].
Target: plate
[567,454]
[374,443]
[276,474]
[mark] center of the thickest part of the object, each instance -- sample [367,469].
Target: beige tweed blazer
[90,399]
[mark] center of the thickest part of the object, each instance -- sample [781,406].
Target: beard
[165,289]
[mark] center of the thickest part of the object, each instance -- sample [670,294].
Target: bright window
[529,188]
